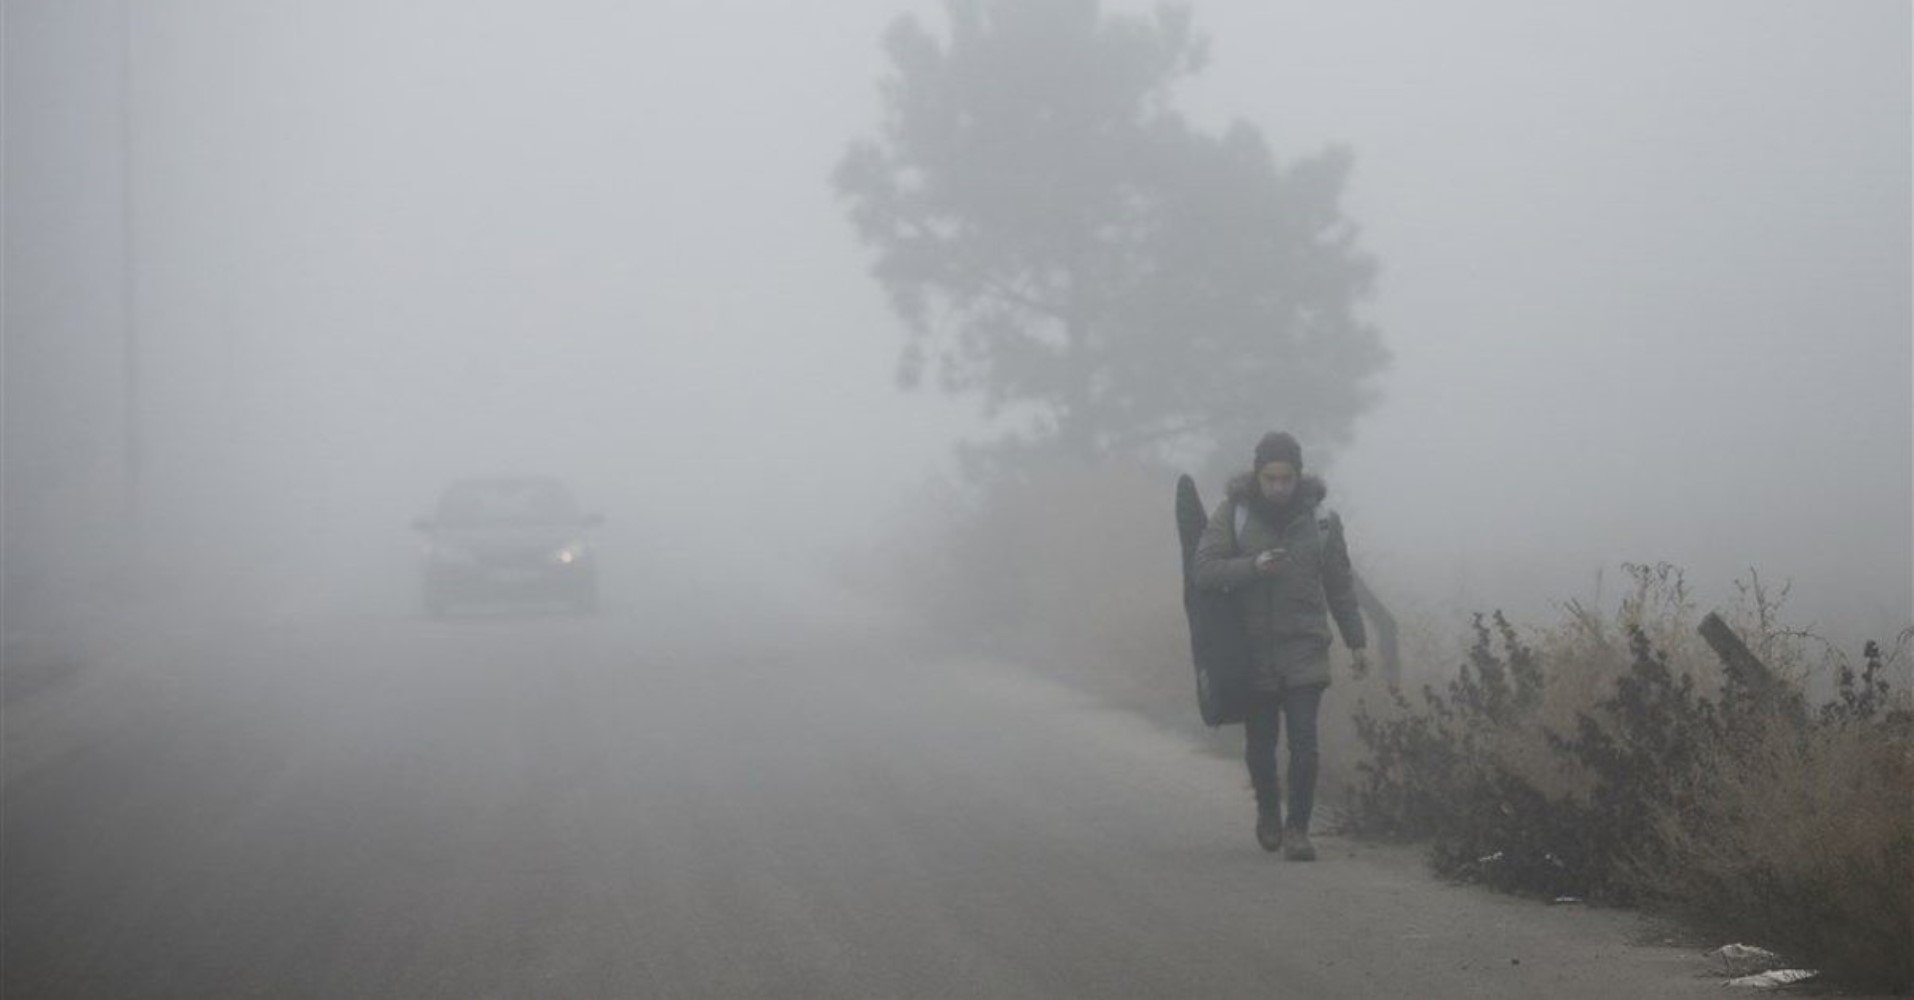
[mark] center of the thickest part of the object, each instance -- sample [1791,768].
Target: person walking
[1270,545]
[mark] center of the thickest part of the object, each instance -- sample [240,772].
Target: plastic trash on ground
[1756,968]
[1744,959]
[1773,978]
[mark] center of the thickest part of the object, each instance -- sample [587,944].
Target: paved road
[569,807]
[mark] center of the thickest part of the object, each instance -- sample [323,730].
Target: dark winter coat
[1287,613]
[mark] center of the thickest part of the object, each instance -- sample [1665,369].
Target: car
[511,539]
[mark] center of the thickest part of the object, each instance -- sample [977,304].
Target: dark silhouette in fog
[1106,277]
[1284,558]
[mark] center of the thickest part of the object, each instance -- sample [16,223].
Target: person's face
[1277,481]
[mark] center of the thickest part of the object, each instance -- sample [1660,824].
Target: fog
[1645,276]
[275,273]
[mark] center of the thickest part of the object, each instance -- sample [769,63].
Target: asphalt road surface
[668,806]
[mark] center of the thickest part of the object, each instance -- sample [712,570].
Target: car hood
[508,537]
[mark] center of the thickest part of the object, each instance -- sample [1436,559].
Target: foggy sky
[1645,273]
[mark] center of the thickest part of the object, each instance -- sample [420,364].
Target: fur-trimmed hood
[1310,492]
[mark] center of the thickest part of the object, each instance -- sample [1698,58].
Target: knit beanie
[1278,446]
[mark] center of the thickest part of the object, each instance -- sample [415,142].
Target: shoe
[1269,833]
[1296,846]
[1269,818]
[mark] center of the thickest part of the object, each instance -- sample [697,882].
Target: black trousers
[1261,728]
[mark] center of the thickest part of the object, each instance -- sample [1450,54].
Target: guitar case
[1219,647]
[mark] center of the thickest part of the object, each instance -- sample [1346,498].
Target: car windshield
[506,501]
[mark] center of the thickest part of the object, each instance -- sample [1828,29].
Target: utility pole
[132,471]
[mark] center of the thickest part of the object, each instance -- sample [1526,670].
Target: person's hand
[1359,662]
[1267,561]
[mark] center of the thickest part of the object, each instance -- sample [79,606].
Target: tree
[1062,243]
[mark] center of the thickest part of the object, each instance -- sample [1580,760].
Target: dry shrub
[1614,757]
[1803,840]
[1589,757]
[1586,654]
[1809,848]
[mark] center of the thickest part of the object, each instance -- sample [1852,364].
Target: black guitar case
[1219,648]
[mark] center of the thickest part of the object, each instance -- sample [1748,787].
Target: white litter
[1773,978]
[1742,959]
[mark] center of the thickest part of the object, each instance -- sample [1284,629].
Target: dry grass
[1641,772]
[1073,570]
[1805,843]
[1799,836]
[1075,573]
